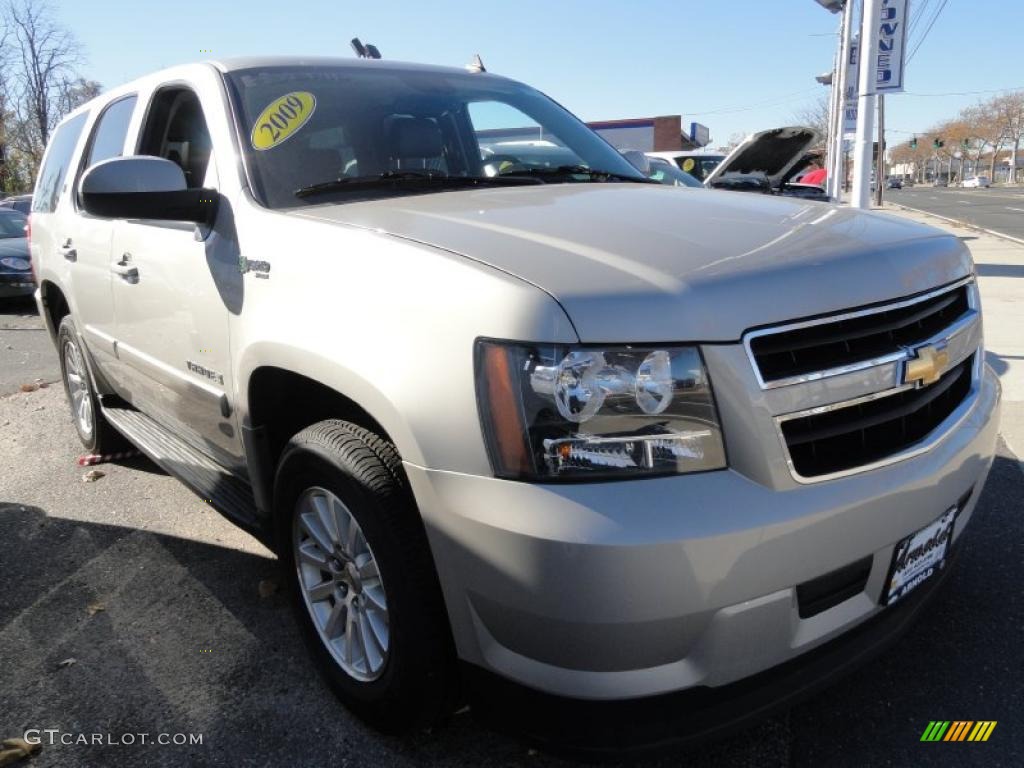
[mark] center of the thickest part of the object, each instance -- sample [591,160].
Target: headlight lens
[21,265]
[554,411]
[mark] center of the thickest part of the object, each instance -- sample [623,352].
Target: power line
[917,16]
[929,29]
[966,93]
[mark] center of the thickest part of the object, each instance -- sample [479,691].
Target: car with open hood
[538,424]
[767,162]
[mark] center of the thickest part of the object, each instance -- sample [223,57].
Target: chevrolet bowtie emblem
[927,367]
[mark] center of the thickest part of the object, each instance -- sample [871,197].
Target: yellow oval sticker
[688,164]
[282,118]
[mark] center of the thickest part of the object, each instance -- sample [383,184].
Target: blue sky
[735,66]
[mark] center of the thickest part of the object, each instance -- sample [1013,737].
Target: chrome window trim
[933,438]
[961,323]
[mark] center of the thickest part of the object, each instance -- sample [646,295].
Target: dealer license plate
[919,556]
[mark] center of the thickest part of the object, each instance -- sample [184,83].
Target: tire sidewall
[68,333]
[310,466]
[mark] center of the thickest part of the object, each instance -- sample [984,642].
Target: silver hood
[771,153]
[645,263]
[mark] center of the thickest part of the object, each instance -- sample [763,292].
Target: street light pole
[836,170]
[868,55]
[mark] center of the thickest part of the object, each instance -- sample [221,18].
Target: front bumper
[16,284]
[631,589]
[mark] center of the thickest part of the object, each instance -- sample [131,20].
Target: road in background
[999,209]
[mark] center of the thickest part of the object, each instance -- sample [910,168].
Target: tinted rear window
[55,166]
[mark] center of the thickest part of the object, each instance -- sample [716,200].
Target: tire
[399,671]
[93,430]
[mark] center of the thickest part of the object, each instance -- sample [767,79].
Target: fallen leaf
[94,608]
[15,750]
[93,475]
[67,663]
[29,387]
[43,385]
[267,587]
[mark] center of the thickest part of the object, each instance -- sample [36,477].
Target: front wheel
[93,430]
[362,578]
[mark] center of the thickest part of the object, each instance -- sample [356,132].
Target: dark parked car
[20,203]
[894,183]
[15,270]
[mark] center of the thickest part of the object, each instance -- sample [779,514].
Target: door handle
[125,268]
[68,252]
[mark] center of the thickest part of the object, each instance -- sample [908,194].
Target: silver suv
[593,435]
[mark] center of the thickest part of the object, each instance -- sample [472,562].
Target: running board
[222,490]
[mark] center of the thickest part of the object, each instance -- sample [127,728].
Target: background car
[940,183]
[664,172]
[766,162]
[15,268]
[20,203]
[697,163]
[974,182]
[894,182]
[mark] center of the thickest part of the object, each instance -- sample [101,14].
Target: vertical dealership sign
[892,54]
[892,46]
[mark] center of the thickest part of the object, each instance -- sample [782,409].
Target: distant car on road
[15,268]
[974,182]
[20,203]
[894,183]
[940,183]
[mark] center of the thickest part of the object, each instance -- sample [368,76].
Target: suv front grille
[828,345]
[864,432]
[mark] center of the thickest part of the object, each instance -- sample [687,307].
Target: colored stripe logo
[958,730]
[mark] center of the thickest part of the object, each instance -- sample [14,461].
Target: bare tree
[815,115]
[45,60]
[1007,112]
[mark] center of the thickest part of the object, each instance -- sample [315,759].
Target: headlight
[555,411]
[17,264]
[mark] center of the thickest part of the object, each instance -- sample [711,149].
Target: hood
[769,154]
[646,262]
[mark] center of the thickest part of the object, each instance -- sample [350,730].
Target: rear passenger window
[55,167]
[111,130]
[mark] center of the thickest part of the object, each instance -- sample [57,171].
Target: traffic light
[913,143]
[964,143]
[938,143]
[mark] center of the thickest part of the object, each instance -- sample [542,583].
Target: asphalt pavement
[26,350]
[998,209]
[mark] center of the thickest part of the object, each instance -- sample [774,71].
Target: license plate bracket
[919,556]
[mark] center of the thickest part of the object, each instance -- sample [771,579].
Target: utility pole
[837,166]
[860,197]
[880,156]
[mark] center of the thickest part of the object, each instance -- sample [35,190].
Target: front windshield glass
[12,224]
[377,127]
[699,166]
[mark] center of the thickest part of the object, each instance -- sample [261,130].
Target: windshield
[699,166]
[12,224]
[386,131]
[663,172]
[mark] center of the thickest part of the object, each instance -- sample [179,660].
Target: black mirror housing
[143,187]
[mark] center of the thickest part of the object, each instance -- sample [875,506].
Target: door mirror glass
[143,187]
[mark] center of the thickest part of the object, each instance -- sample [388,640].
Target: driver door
[171,293]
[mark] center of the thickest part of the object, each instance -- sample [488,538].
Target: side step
[225,492]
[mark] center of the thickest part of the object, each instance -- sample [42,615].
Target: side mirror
[638,160]
[143,187]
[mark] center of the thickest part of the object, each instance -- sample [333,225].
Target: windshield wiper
[407,178]
[592,174]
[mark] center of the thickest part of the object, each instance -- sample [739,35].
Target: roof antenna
[367,51]
[477,64]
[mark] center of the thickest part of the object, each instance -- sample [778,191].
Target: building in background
[651,134]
